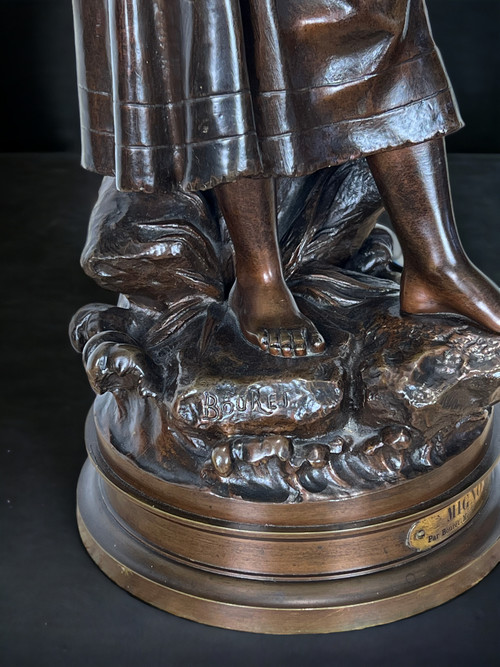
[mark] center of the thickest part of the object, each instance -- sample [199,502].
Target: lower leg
[438,276]
[265,307]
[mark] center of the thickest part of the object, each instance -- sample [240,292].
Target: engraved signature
[262,400]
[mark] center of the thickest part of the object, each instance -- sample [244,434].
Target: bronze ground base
[319,566]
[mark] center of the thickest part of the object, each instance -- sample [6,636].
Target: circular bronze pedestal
[317,566]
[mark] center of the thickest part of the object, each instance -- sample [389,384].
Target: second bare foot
[462,290]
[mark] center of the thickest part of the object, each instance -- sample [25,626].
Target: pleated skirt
[193,93]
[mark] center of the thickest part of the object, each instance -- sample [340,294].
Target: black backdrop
[39,104]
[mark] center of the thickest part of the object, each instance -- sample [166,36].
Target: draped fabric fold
[200,92]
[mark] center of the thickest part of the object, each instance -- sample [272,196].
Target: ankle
[433,272]
[260,279]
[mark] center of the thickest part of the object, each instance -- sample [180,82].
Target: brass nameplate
[437,527]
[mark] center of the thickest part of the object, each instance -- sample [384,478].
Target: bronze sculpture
[259,128]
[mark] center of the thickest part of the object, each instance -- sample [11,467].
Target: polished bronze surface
[199,93]
[277,399]
[438,277]
[183,397]
[221,100]
[286,548]
[123,473]
[266,310]
[258,578]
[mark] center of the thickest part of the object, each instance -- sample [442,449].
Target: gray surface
[56,607]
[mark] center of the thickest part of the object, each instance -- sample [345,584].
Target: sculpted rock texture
[185,396]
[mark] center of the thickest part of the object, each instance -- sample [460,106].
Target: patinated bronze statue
[249,148]
[252,89]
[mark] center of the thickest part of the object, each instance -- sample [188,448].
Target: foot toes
[286,344]
[263,338]
[274,343]
[289,342]
[299,343]
[317,343]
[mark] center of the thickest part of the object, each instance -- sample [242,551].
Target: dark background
[56,607]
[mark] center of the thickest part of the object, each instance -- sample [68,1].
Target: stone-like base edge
[288,607]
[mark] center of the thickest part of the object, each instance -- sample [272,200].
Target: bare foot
[270,319]
[463,290]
